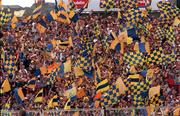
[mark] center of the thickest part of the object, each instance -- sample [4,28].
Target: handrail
[102,111]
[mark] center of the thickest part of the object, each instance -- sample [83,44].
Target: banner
[19,13]
[144,3]
[80,3]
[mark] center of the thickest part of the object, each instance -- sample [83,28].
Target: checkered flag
[160,33]
[10,64]
[112,97]
[167,10]
[84,62]
[169,58]
[128,4]
[170,35]
[155,56]
[108,4]
[133,58]
[155,100]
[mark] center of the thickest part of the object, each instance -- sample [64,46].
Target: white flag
[19,13]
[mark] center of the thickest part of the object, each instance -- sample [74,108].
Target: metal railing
[92,112]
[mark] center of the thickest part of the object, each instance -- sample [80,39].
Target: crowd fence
[92,112]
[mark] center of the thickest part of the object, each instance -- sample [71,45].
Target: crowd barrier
[93,112]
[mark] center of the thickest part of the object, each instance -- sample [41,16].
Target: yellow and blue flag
[19,95]
[68,105]
[71,5]
[39,96]
[14,21]
[32,83]
[102,85]
[53,102]
[142,47]
[51,16]
[41,26]
[63,17]
[71,93]
[5,87]
[37,11]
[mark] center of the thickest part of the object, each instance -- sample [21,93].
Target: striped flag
[53,102]
[32,83]
[37,11]
[39,96]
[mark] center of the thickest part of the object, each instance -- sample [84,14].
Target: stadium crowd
[33,50]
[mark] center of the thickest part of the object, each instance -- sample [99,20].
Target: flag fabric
[68,105]
[119,15]
[51,16]
[170,35]
[155,100]
[31,83]
[2,56]
[5,87]
[132,33]
[41,26]
[167,8]
[120,84]
[148,73]
[153,91]
[138,91]
[138,101]
[128,4]
[176,22]
[62,6]
[52,67]
[160,33]
[57,72]
[96,30]
[19,95]
[67,66]
[86,49]
[107,4]
[169,58]
[78,71]
[71,93]
[71,5]
[84,62]
[10,64]
[37,11]
[111,97]
[142,47]
[14,21]
[155,56]
[134,78]
[56,8]
[134,16]
[8,103]
[102,86]
[63,17]
[89,73]
[73,16]
[53,102]
[132,70]
[133,58]
[5,16]
[39,96]
[115,45]
[19,13]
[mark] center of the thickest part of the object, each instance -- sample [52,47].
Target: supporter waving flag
[37,11]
